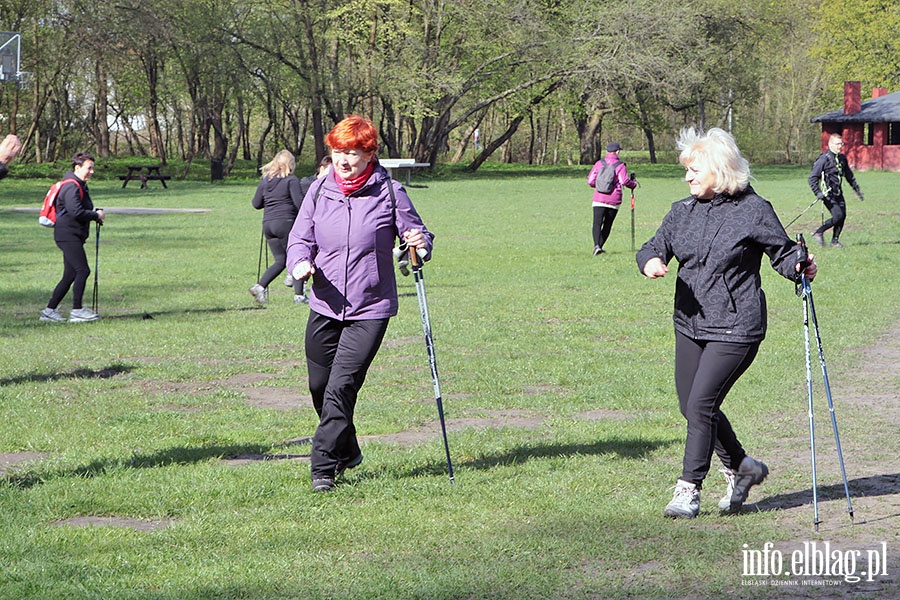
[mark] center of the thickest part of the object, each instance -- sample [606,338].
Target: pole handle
[415,254]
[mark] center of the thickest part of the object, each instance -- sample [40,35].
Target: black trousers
[75,274]
[603,222]
[704,374]
[277,233]
[838,209]
[338,356]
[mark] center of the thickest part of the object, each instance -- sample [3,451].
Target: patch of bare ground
[9,460]
[867,410]
[129,523]
[270,397]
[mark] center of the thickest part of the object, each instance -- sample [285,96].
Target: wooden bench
[402,163]
[144,173]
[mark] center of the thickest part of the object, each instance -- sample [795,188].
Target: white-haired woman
[278,194]
[718,235]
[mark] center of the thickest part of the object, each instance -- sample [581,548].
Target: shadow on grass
[628,448]
[104,373]
[862,487]
[179,311]
[163,458]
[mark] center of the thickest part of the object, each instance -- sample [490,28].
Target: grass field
[160,452]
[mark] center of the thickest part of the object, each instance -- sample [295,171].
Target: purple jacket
[350,240]
[615,197]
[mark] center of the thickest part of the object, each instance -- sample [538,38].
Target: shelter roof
[885,109]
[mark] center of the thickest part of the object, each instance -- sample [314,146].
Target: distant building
[871,129]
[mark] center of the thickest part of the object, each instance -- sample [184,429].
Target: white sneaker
[52,315]
[686,501]
[300,299]
[725,502]
[288,280]
[259,293]
[82,315]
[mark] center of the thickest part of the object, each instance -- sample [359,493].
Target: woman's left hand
[811,269]
[415,239]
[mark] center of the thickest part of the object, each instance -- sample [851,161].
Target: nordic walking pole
[429,345]
[813,203]
[96,267]
[262,243]
[810,305]
[809,393]
[632,220]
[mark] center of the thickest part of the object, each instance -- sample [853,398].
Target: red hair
[353,133]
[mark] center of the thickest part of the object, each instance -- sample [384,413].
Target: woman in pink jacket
[606,204]
[344,238]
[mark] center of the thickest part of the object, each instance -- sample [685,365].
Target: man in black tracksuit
[825,179]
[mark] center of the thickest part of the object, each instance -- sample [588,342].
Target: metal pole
[419,277]
[262,243]
[809,393]
[834,426]
[96,268]
[632,220]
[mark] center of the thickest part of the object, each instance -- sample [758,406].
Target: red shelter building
[871,129]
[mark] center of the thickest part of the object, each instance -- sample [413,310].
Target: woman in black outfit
[74,213]
[278,194]
[718,235]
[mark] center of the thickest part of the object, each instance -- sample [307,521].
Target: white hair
[717,152]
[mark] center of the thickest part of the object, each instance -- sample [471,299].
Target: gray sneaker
[300,299]
[259,293]
[52,315]
[685,503]
[751,472]
[82,315]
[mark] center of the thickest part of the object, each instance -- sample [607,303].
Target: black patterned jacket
[719,245]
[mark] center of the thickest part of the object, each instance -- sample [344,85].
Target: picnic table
[144,173]
[402,163]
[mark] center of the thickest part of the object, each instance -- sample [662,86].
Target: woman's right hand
[654,268]
[303,270]
[101,216]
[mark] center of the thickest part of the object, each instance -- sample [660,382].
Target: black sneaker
[351,464]
[820,239]
[323,484]
[836,244]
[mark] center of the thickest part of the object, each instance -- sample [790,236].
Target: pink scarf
[348,186]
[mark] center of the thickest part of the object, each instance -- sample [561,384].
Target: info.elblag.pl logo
[819,563]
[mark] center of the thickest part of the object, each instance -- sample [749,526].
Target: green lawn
[556,375]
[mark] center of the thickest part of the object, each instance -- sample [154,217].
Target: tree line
[543,81]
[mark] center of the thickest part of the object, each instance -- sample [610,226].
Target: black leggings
[277,233]
[603,222]
[704,373]
[338,356]
[75,271]
[838,209]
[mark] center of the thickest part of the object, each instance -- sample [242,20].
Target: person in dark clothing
[74,213]
[278,195]
[9,149]
[718,235]
[825,180]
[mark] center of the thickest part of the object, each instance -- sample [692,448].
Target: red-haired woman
[343,238]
